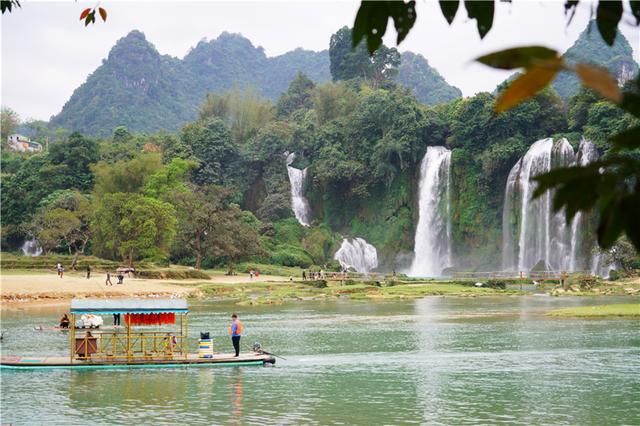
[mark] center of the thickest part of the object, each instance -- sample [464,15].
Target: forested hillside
[217,191]
[591,48]
[140,89]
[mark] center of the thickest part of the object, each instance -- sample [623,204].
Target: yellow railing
[133,345]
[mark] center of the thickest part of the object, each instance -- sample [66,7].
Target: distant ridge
[591,48]
[145,91]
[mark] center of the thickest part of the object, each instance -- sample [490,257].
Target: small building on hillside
[23,144]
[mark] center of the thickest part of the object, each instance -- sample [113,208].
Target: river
[437,360]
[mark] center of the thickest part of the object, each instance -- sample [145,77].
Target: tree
[297,96]
[243,112]
[623,255]
[82,208]
[171,178]
[63,220]
[53,228]
[350,60]
[9,122]
[75,155]
[212,144]
[211,226]
[133,226]
[125,175]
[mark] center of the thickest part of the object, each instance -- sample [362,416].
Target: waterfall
[357,254]
[31,248]
[432,251]
[583,242]
[299,203]
[531,230]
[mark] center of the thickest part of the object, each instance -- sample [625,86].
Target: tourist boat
[133,347]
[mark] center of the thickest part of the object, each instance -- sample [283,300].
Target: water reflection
[436,360]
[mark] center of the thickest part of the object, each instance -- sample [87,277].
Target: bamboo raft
[127,347]
[192,360]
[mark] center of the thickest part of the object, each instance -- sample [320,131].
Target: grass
[279,292]
[628,310]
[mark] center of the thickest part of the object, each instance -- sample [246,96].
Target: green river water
[488,360]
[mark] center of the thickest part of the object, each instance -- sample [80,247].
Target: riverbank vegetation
[627,310]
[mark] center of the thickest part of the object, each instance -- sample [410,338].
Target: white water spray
[31,248]
[299,203]
[432,250]
[357,254]
[532,231]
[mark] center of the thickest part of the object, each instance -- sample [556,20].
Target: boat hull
[192,360]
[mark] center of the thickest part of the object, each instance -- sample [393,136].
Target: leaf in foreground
[600,81]
[527,85]
[519,57]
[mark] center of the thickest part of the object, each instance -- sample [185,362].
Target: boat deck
[192,360]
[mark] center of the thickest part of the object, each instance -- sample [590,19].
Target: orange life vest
[239,328]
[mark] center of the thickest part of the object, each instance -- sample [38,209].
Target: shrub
[316,283]
[291,256]
[183,274]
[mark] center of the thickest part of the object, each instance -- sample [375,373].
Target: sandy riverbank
[47,288]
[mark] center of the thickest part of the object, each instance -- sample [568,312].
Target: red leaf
[85,13]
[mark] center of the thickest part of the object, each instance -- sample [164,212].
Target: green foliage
[170,179]
[126,175]
[66,166]
[352,61]
[133,227]
[290,255]
[425,82]
[74,156]
[373,16]
[244,113]
[8,5]
[9,121]
[297,96]
[210,226]
[212,144]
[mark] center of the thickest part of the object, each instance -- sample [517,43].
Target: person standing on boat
[236,332]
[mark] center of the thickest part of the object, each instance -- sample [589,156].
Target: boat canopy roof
[128,306]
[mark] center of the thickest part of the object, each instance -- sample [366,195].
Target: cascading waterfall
[299,203]
[532,231]
[31,248]
[432,251]
[582,243]
[357,254]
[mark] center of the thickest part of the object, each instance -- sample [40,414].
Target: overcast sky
[47,52]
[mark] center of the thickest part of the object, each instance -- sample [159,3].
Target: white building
[23,144]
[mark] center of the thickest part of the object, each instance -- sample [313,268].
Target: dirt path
[46,288]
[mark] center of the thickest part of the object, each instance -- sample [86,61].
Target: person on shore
[120,278]
[304,275]
[251,274]
[88,271]
[58,267]
[61,273]
[108,281]
[64,321]
[236,332]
